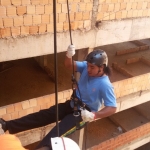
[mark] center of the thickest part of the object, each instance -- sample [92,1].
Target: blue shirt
[94,90]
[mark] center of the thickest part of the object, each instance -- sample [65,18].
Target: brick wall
[122,88]
[125,138]
[25,17]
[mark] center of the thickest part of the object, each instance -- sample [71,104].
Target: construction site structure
[120,27]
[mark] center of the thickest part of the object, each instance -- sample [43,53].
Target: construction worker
[10,142]
[94,88]
[63,143]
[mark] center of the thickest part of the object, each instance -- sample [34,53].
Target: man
[94,88]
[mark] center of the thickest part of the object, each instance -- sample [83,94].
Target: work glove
[87,116]
[70,51]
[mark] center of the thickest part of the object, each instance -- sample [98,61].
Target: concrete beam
[109,32]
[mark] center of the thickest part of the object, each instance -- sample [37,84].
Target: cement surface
[109,32]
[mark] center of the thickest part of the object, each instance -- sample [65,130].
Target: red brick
[15,31]
[50,28]
[73,7]
[123,6]
[30,10]
[86,15]
[16,2]
[62,17]
[39,9]
[48,9]
[61,1]
[103,8]
[80,26]
[81,7]
[21,10]
[18,106]
[117,7]
[50,1]
[76,1]
[35,2]
[11,11]
[42,28]
[45,19]
[37,19]
[66,26]
[118,15]
[5,32]
[22,113]
[33,29]
[129,6]
[59,27]
[72,16]
[2,11]
[27,20]
[10,109]
[89,7]
[112,16]
[140,13]
[145,4]
[36,109]
[46,98]
[29,111]
[78,16]
[148,5]
[130,13]
[145,12]
[33,102]
[139,5]
[111,7]
[59,8]
[18,21]
[134,5]
[74,25]
[6,117]
[44,2]
[24,30]
[8,22]
[1,23]
[14,115]
[100,16]
[135,13]
[64,8]
[5,2]
[87,24]
[26,2]
[25,104]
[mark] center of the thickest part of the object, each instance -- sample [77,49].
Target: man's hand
[70,51]
[87,116]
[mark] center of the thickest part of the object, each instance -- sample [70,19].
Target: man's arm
[68,63]
[90,116]
[68,60]
[105,112]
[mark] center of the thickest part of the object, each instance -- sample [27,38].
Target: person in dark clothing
[95,88]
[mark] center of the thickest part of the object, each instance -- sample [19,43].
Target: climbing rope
[56,66]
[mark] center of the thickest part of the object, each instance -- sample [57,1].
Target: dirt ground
[24,79]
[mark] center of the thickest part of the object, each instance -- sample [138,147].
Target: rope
[55,59]
[73,78]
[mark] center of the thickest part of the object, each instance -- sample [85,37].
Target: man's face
[94,71]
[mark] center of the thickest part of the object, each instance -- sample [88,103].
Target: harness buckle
[76,114]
